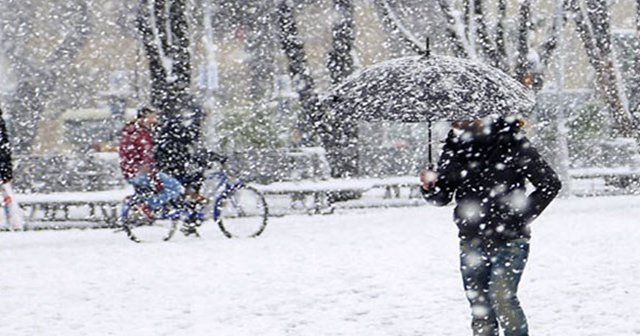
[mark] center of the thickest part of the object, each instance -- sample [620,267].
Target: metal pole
[430,166]
[428,51]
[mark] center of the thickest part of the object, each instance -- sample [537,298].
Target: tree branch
[551,43]
[156,68]
[299,70]
[395,26]
[483,35]
[160,24]
[466,16]
[455,30]
[584,32]
[501,45]
[522,63]
[598,13]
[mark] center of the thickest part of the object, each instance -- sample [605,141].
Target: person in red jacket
[138,165]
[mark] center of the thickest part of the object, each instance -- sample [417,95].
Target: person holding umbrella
[484,165]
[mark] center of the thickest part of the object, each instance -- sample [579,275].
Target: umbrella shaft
[430,150]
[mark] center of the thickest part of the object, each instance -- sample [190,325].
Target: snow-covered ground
[373,272]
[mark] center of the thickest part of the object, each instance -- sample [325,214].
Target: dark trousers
[491,274]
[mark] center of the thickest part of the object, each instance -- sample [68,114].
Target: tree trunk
[522,64]
[164,29]
[151,35]
[501,45]
[180,48]
[597,43]
[344,154]
[310,119]
[634,97]
[340,60]
[165,35]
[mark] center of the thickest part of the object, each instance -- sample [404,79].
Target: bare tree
[594,30]
[470,35]
[37,79]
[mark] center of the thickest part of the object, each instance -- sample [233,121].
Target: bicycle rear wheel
[241,213]
[141,229]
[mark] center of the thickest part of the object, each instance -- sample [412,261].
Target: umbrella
[427,88]
[424,89]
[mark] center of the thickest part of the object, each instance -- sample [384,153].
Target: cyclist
[138,165]
[174,155]
[180,153]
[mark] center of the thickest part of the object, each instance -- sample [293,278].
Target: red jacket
[136,150]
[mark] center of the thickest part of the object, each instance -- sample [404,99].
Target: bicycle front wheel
[140,229]
[241,213]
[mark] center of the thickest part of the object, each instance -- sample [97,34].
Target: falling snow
[520,117]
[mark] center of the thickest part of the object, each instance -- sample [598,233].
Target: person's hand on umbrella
[428,179]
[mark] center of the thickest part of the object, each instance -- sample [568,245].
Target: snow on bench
[94,206]
[585,173]
[319,192]
[598,180]
[311,196]
[102,206]
[336,185]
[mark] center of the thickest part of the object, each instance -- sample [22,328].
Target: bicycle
[240,211]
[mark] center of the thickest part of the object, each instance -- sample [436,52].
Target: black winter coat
[6,167]
[173,149]
[487,175]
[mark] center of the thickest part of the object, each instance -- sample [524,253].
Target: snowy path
[375,272]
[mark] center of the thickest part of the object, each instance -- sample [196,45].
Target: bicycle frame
[223,198]
[222,189]
[229,187]
[226,182]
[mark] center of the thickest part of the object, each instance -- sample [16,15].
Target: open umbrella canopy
[421,88]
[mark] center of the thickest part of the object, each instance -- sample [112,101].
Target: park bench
[99,208]
[313,196]
[597,181]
